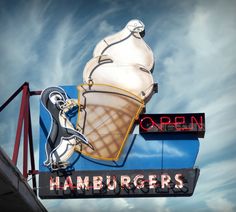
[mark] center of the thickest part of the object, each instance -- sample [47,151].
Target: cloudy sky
[194,42]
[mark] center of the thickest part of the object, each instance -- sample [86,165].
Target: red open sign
[193,123]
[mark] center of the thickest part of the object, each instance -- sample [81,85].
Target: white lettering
[68,183]
[111,183]
[153,181]
[139,181]
[179,181]
[83,184]
[54,183]
[125,180]
[165,180]
[97,182]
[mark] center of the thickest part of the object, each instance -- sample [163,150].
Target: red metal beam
[19,125]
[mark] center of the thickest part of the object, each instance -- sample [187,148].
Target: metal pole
[19,125]
[31,147]
[26,134]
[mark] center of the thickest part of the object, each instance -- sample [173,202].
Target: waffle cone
[106,117]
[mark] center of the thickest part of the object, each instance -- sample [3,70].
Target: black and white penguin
[62,137]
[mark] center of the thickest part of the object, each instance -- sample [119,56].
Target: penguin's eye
[55,98]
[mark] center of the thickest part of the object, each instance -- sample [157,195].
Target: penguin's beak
[86,142]
[91,146]
[142,33]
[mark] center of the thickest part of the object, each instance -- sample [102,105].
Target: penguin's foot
[59,165]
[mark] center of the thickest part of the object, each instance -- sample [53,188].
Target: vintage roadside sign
[97,141]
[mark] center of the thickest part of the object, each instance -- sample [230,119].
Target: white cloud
[220,204]
[88,205]
[149,204]
[216,176]
[68,49]
[198,74]
[105,28]
[116,205]
[197,58]
[216,184]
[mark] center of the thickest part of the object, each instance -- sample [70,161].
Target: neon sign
[88,145]
[125,183]
[193,123]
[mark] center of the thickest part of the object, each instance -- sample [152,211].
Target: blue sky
[194,42]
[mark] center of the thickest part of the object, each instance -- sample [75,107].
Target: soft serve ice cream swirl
[123,60]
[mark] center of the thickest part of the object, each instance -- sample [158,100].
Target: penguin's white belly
[64,150]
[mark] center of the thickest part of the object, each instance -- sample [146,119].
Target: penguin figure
[62,138]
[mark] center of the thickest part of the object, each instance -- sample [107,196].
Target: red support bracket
[24,118]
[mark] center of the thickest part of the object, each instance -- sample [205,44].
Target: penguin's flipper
[80,137]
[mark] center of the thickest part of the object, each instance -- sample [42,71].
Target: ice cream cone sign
[118,82]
